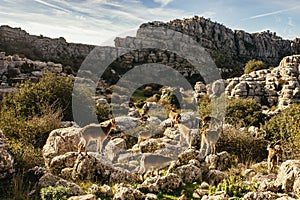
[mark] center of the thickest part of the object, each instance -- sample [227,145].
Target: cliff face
[231,48]
[17,41]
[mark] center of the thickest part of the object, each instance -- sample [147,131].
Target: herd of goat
[211,130]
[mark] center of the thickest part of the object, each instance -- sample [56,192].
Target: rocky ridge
[16,40]
[227,46]
[230,49]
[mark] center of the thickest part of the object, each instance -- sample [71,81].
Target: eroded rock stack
[231,47]
[279,86]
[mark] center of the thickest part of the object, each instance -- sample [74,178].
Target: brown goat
[97,132]
[274,156]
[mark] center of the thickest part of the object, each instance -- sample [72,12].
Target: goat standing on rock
[274,156]
[97,132]
[210,137]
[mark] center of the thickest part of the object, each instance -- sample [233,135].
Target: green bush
[239,112]
[102,112]
[55,193]
[234,187]
[244,112]
[33,129]
[254,65]
[247,148]
[284,128]
[30,114]
[51,90]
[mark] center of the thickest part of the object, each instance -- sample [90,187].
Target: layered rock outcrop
[16,40]
[229,47]
[279,86]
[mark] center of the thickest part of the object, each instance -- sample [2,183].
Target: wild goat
[210,138]
[150,162]
[97,132]
[144,135]
[214,122]
[175,117]
[185,135]
[274,156]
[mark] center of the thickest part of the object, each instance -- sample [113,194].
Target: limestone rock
[190,154]
[59,142]
[168,183]
[83,197]
[279,86]
[126,192]
[114,148]
[6,159]
[221,161]
[104,191]
[218,196]
[288,178]
[214,177]
[189,173]
[50,180]
[263,195]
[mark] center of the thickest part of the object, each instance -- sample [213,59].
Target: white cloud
[290,21]
[90,21]
[273,13]
[163,2]
[52,5]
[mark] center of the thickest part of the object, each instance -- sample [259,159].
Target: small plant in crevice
[234,186]
[55,193]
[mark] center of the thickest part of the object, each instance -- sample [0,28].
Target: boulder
[167,183]
[221,161]
[127,192]
[103,191]
[114,148]
[95,167]
[214,177]
[217,196]
[61,141]
[190,154]
[266,195]
[189,173]
[50,180]
[288,178]
[6,159]
[83,197]
[151,145]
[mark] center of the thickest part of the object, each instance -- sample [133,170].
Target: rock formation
[230,49]
[16,40]
[6,159]
[227,46]
[279,86]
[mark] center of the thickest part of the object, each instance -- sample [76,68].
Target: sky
[98,22]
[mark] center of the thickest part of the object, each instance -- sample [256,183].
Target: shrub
[50,90]
[239,112]
[244,112]
[204,106]
[254,65]
[33,129]
[247,148]
[234,187]
[102,112]
[284,128]
[55,193]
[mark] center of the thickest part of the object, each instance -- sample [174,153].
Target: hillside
[230,49]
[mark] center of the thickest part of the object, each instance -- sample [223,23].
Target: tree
[284,128]
[254,65]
